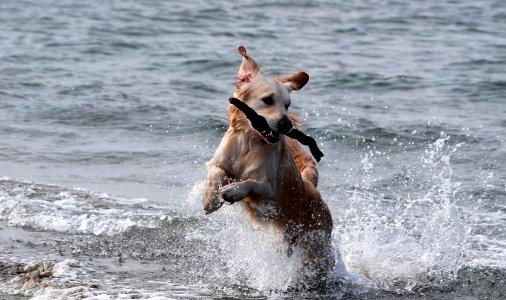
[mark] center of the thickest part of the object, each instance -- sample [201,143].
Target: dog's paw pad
[229,198]
[231,194]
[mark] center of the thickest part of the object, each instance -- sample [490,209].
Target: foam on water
[69,279]
[399,244]
[48,279]
[73,211]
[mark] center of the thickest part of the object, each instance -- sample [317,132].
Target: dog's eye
[268,100]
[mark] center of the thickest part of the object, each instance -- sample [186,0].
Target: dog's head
[269,97]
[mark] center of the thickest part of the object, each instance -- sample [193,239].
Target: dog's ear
[249,68]
[296,81]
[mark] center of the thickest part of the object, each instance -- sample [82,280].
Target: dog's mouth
[267,133]
[271,136]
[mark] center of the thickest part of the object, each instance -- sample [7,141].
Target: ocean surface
[110,109]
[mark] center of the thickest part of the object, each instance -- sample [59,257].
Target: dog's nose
[284,125]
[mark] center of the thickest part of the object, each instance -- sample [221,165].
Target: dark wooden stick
[306,140]
[258,122]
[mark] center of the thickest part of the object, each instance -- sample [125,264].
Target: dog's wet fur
[275,182]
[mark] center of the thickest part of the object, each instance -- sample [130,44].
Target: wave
[76,211]
[411,244]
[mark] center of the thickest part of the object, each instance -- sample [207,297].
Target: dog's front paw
[212,204]
[232,193]
[211,199]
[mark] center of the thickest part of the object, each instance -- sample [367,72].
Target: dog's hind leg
[305,163]
[216,178]
[317,255]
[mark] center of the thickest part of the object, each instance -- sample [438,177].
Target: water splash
[412,239]
[246,258]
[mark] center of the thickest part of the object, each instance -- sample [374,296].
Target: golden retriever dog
[275,182]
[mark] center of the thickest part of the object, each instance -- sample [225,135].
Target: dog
[273,179]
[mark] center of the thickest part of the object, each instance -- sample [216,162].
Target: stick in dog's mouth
[260,124]
[257,121]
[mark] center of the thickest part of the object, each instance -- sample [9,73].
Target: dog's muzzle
[285,125]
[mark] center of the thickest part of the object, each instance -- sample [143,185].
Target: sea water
[109,110]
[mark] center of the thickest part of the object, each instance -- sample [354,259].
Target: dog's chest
[258,165]
[261,209]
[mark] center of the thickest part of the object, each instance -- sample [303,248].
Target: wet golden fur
[275,183]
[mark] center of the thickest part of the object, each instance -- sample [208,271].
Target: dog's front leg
[237,191]
[216,178]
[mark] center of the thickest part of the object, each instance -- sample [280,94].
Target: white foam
[44,279]
[77,211]
[69,279]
